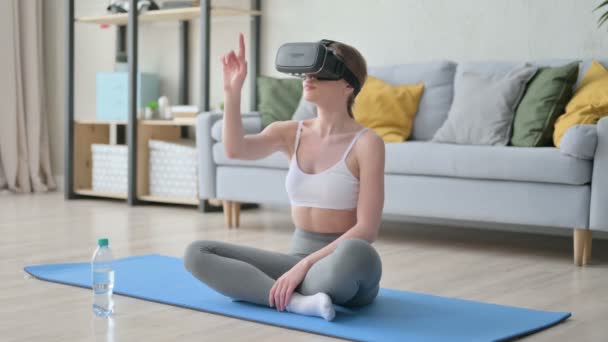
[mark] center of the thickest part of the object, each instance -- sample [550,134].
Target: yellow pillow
[589,103]
[388,110]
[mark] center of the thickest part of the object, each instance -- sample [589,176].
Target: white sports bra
[333,188]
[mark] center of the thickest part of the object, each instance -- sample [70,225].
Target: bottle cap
[102,242]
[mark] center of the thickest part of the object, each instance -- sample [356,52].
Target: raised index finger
[241,47]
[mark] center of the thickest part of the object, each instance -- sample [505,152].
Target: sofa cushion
[589,103]
[438,79]
[251,125]
[528,164]
[484,68]
[483,107]
[278,98]
[387,109]
[585,65]
[276,160]
[544,100]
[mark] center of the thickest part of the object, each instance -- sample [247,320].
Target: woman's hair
[357,65]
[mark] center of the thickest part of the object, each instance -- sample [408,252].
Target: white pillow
[484,106]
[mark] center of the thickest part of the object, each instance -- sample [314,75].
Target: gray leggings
[350,275]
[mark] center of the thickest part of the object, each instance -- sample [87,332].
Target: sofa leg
[587,253]
[236,213]
[228,213]
[582,246]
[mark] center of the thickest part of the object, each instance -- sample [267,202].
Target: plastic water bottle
[102,276]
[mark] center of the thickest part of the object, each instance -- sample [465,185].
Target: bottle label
[103,281]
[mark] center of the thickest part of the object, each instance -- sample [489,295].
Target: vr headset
[315,59]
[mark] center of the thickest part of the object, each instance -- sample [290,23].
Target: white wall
[385,31]
[398,31]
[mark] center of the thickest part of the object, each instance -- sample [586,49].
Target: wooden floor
[505,268]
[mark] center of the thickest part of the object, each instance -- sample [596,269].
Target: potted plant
[150,111]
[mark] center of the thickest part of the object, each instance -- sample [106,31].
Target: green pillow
[545,99]
[278,98]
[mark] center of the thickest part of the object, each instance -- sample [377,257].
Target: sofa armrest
[204,147]
[598,219]
[252,123]
[580,141]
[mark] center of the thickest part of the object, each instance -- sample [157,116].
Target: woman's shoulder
[284,126]
[287,129]
[368,133]
[370,141]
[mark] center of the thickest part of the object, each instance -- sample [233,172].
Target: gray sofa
[542,187]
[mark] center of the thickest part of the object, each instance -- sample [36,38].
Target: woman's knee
[195,253]
[358,253]
[354,245]
[353,260]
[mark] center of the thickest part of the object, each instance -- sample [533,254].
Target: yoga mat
[393,316]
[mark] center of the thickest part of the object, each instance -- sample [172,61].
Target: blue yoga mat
[393,316]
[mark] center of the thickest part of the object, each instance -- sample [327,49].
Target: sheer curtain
[24,138]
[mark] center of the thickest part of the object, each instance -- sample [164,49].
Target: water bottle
[102,276]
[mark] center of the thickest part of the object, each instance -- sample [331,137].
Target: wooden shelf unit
[188,13]
[146,131]
[174,122]
[171,200]
[81,134]
[89,132]
[91,193]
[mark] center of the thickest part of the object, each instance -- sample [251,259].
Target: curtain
[24,138]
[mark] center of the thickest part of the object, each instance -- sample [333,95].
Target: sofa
[492,185]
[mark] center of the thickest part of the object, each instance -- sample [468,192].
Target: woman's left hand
[281,291]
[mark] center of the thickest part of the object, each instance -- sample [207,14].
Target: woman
[336,187]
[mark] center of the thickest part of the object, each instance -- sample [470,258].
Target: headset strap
[347,75]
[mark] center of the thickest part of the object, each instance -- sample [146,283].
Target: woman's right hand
[235,68]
